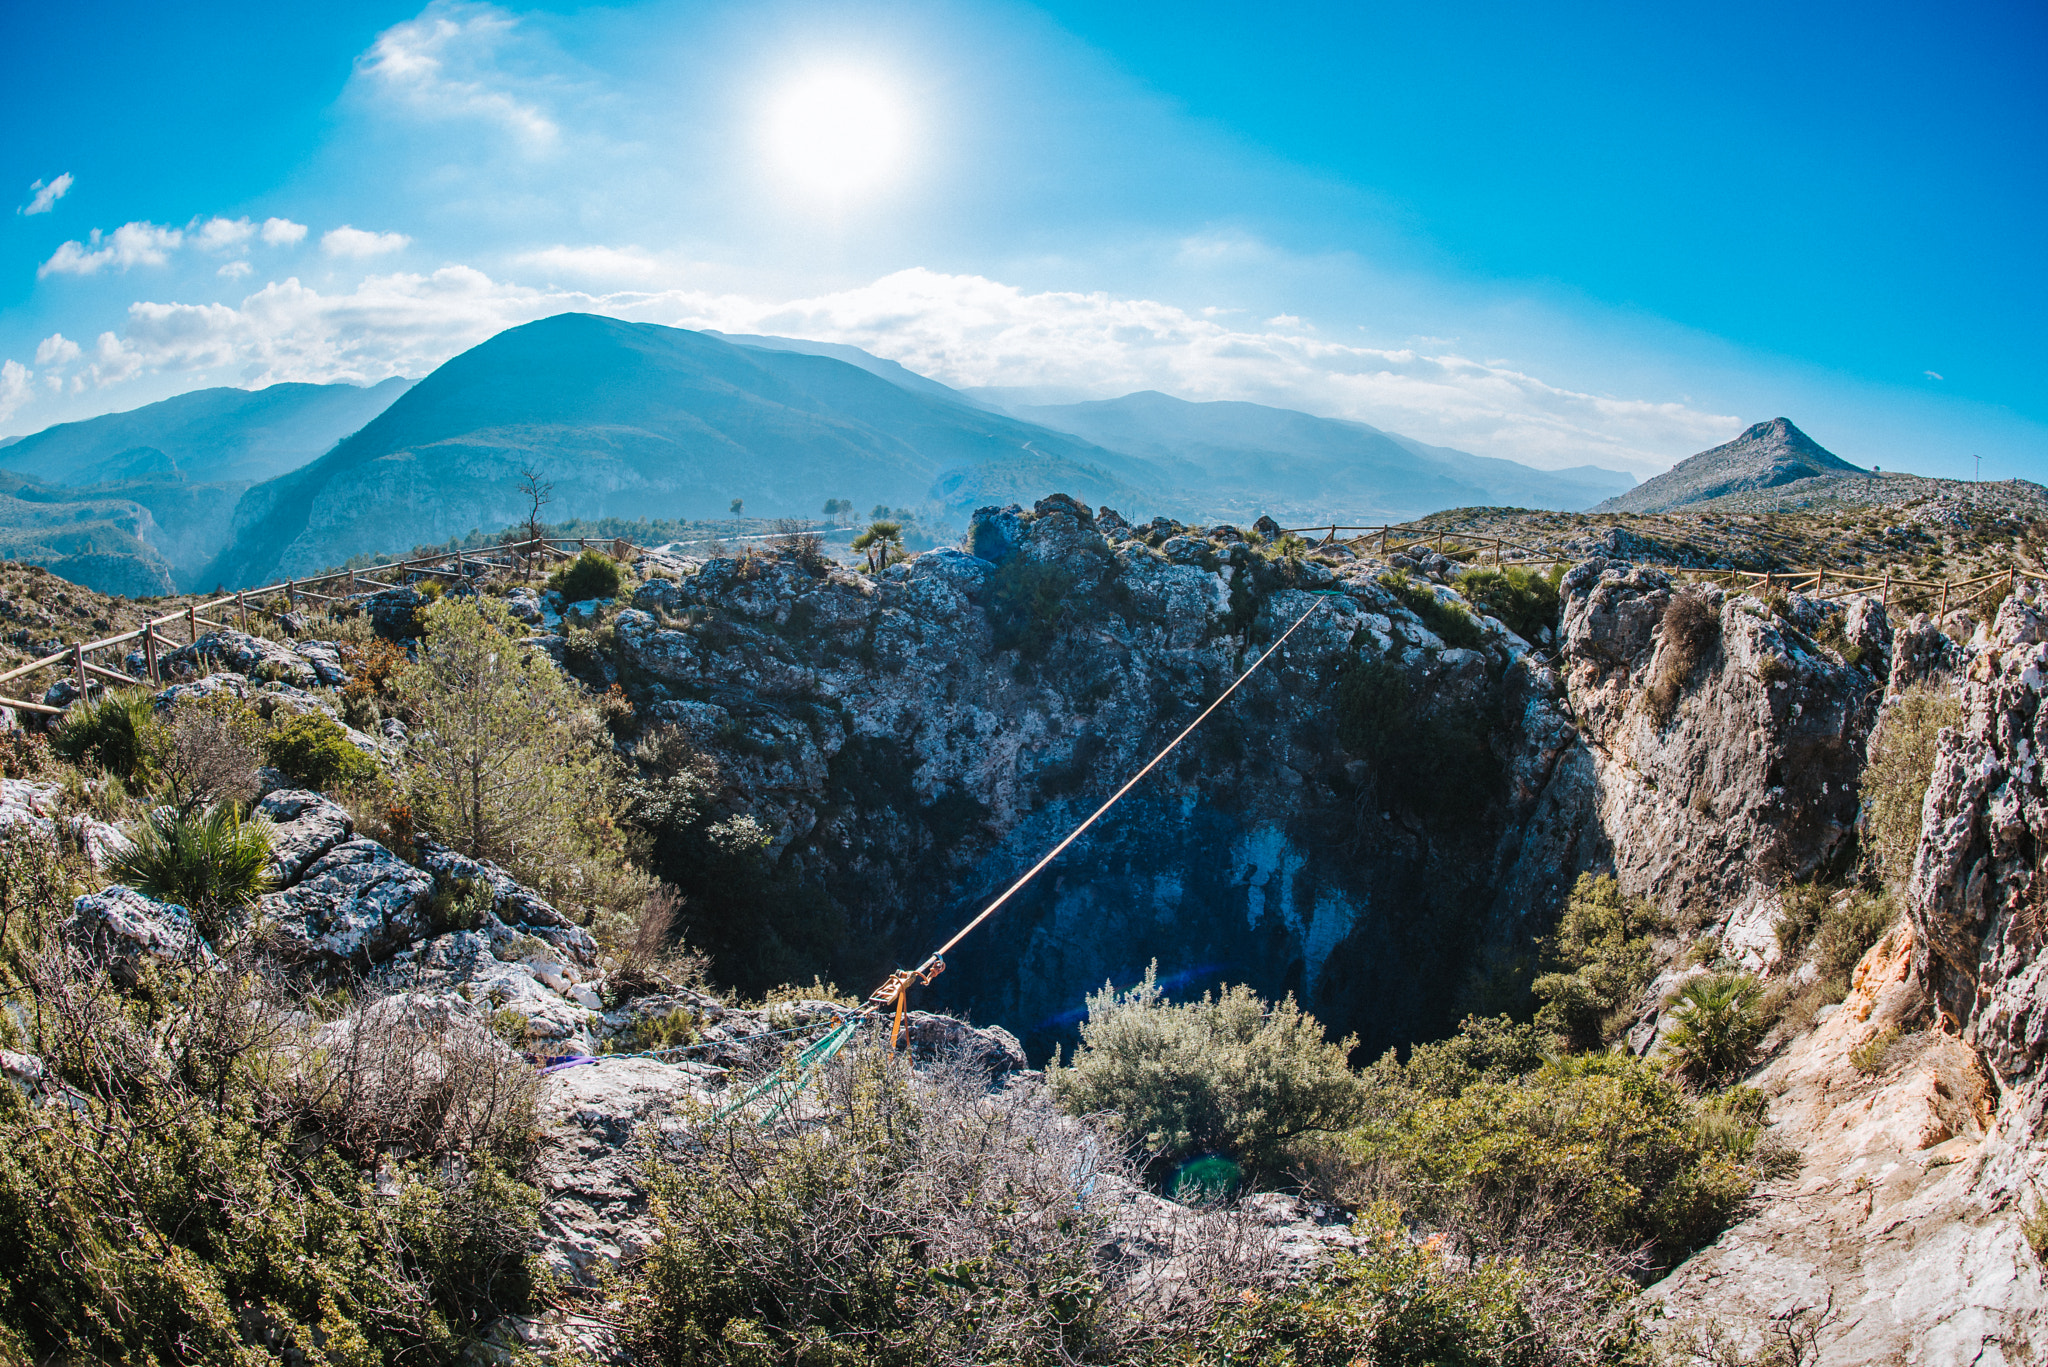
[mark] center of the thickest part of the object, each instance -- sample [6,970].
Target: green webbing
[793,1073]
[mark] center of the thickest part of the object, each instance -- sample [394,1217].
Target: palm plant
[1715,1028]
[215,864]
[118,734]
[879,540]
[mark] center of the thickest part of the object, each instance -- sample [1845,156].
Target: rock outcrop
[1919,1107]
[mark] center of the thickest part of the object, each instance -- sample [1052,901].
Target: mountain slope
[1763,457]
[1249,457]
[637,420]
[208,435]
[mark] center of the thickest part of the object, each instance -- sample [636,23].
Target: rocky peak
[1764,456]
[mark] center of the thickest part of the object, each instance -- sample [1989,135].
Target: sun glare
[836,132]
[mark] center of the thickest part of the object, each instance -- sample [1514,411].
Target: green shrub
[198,1198]
[118,735]
[1847,932]
[1895,780]
[215,865]
[1716,1023]
[1230,1074]
[1524,600]
[1449,620]
[1401,1301]
[1869,1057]
[314,751]
[1440,758]
[1028,605]
[1590,1151]
[1600,959]
[590,575]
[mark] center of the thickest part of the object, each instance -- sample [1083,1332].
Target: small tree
[838,507]
[882,541]
[738,506]
[501,772]
[539,493]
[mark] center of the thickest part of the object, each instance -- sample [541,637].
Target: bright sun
[836,132]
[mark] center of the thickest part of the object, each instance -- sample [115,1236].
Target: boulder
[307,826]
[394,613]
[120,923]
[356,905]
[252,656]
[989,1047]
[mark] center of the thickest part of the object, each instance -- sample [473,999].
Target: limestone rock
[357,904]
[241,653]
[306,826]
[394,613]
[120,923]
[1752,777]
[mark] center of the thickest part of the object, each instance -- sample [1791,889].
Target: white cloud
[14,387]
[56,349]
[131,244]
[967,330]
[960,329]
[221,234]
[608,265]
[1930,375]
[234,270]
[43,197]
[356,243]
[282,232]
[444,64]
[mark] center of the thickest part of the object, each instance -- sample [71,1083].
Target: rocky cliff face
[914,741]
[1745,774]
[1918,1107]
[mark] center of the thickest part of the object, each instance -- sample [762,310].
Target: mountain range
[224,436]
[638,420]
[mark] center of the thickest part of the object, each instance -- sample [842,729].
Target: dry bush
[416,1072]
[212,753]
[1688,633]
[1902,755]
[795,536]
[912,1218]
[653,958]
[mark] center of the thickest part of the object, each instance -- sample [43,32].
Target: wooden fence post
[149,650]
[192,623]
[1820,579]
[1884,599]
[1943,617]
[291,595]
[242,608]
[78,667]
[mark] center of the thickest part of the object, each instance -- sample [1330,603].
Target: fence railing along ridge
[1788,579]
[359,583]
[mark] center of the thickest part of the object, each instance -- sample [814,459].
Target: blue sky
[1571,234]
